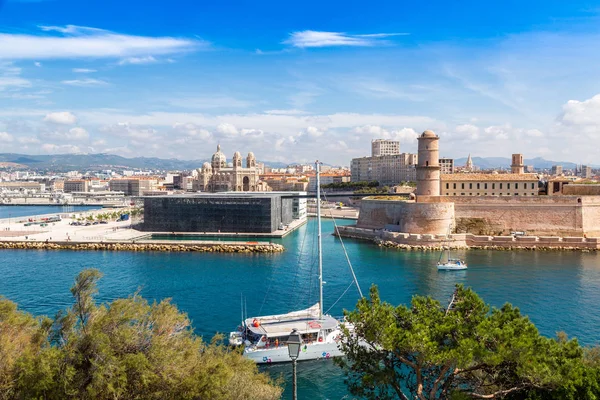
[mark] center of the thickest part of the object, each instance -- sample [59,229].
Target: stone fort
[432,211]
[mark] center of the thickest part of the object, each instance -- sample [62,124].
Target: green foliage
[128,349]
[462,351]
[351,185]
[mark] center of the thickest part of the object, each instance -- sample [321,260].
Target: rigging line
[339,298]
[344,248]
[295,277]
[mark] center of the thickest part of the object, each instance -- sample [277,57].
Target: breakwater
[430,242]
[142,247]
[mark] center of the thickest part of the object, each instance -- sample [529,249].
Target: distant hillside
[504,162]
[68,162]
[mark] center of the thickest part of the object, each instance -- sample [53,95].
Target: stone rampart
[537,215]
[467,240]
[164,247]
[408,216]
[574,189]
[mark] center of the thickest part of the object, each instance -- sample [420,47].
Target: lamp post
[294,343]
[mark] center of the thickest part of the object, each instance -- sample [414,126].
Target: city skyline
[317,81]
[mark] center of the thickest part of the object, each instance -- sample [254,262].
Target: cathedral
[216,176]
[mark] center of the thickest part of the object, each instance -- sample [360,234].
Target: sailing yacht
[264,338]
[451,264]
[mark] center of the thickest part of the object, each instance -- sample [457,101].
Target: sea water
[559,291]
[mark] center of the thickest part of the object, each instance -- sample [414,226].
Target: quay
[96,232]
[436,242]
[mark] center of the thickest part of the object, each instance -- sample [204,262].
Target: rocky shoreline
[139,247]
[435,248]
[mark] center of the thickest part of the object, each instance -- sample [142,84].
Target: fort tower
[428,166]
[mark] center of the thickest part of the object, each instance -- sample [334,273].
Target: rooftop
[489,177]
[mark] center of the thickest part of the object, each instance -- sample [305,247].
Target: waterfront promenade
[32,232]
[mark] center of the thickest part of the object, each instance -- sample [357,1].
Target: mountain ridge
[504,162]
[66,162]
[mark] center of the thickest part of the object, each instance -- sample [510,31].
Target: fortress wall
[591,215]
[574,189]
[539,215]
[408,216]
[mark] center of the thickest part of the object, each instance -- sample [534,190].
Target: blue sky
[296,82]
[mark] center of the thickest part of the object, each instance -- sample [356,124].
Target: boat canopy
[304,321]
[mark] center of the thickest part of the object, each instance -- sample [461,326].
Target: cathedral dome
[206,166]
[428,133]
[251,155]
[218,159]
[237,155]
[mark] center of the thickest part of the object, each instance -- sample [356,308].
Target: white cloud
[100,142]
[191,130]
[37,64]
[15,81]
[252,133]
[227,130]
[209,102]
[53,148]
[292,111]
[132,131]
[85,82]
[468,131]
[305,39]
[62,118]
[138,60]
[5,137]
[83,70]
[84,42]
[77,133]
[313,132]
[28,140]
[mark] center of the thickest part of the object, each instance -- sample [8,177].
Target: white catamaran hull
[313,351]
[452,267]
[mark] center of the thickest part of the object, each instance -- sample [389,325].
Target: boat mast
[320,245]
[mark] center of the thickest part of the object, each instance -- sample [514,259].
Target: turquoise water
[26,211]
[558,290]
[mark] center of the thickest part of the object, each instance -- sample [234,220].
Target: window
[447,186]
[462,185]
[454,194]
[470,186]
[447,194]
[533,187]
[493,194]
[462,194]
[533,194]
[485,185]
[478,186]
[454,187]
[500,185]
[508,185]
[516,194]
[516,185]
[485,194]
[493,186]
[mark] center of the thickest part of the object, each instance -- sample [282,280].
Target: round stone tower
[428,166]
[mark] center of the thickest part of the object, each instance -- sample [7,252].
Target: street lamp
[294,343]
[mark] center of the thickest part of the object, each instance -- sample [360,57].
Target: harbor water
[31,211]
[559,291]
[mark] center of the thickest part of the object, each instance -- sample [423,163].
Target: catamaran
[264,338]
[451,264]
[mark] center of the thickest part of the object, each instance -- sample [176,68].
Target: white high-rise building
[383,147]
